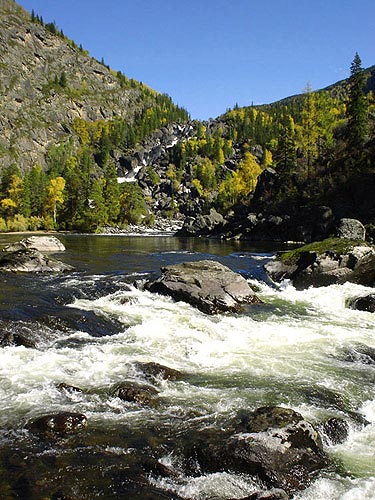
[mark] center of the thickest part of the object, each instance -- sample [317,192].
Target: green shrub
[3,225]
[18,223]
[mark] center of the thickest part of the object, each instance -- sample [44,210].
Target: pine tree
[285,154]
[357,108]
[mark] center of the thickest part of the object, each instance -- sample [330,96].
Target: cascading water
[301,349]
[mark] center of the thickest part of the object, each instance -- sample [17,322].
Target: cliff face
[46,83]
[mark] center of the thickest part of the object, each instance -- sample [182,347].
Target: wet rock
[31,261]
[135,393]
[281,454]
[208,285]
[325,263]
[351,229]
[360,353]
[366,303]
[67,388]
[156,371]
[267,417]
[336,430]
[274,494]
[40,243]
[9,338]
[58,423]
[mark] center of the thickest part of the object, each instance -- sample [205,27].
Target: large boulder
[208,285]
[351,229]
[275,444]
[202,224]
[40,243]
[325,263]
[30,261]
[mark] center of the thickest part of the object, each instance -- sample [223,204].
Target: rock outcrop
[325,263]
[309,224]
[208,285]
[37,111]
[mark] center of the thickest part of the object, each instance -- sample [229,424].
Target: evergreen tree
[357,108]
[111,193]
[285,154]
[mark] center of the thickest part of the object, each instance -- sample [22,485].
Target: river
[91,328]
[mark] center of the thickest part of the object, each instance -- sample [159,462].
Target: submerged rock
[274,494]
[360,353]
[135,393]
[31,261]
[325,263]
[366,303]
[40,243]
[208,285]
[156,371]
[280,448]
[336,430]
[58,423]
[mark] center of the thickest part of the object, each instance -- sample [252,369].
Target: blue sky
[208,55]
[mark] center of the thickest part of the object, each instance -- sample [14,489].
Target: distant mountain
[48,82]
[337,90]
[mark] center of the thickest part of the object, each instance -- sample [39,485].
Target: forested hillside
[71,127]
[61,114]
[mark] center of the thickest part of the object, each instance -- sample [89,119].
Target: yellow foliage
[7,204]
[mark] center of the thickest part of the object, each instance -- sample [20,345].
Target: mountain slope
[47,83]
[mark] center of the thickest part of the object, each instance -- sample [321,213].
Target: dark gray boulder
[156,371]
[58,424]
[279,447]
[335,430]
[366,303]
[202,224]
[135,393]
[351,229]
[325,263]
[208,285]
[31,261]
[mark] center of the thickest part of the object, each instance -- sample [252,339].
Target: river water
[301,349]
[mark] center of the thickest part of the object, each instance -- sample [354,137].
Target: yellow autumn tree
[55,195]
[12,201]
[240,183]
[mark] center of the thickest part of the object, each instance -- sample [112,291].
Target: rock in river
[58,423]
[208,285]
[40,243]
[327,262]
[30,261]
[274,444]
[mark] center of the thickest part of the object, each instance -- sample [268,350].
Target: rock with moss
[327,262]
